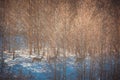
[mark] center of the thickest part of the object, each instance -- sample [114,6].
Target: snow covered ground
[39,70]
[47,71]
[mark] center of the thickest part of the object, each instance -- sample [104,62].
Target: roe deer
[36,59]
[79,59]
[82,58]
[52,59]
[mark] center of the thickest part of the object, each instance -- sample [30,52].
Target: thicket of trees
[76,27]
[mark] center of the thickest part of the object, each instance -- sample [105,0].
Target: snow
[45,71]
[40,70]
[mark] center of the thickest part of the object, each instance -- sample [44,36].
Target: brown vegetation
[75,26]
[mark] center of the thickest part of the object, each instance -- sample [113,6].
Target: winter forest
[59,40]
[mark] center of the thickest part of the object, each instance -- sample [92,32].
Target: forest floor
[39,70]
[43,70]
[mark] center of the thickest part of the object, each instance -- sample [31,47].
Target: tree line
[76,27]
